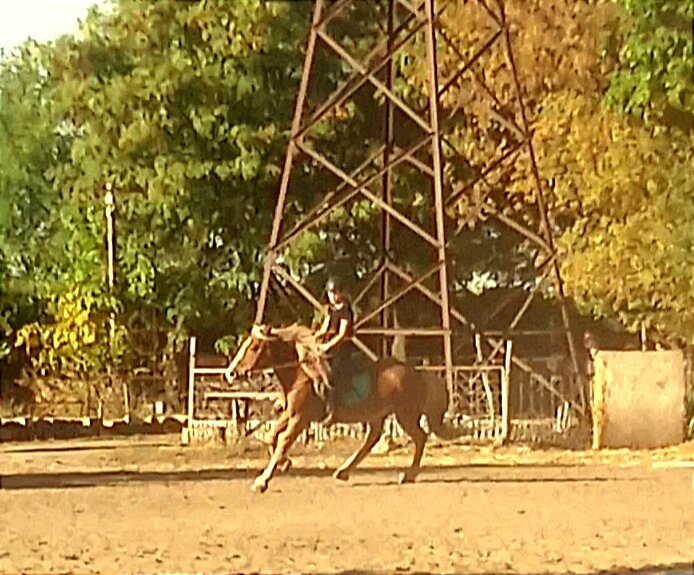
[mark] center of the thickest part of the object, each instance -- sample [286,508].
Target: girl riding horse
[335,335]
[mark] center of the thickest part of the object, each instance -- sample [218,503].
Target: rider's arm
[323,329]
[341,332]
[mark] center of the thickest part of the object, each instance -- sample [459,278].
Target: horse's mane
[299,335]
[293,333]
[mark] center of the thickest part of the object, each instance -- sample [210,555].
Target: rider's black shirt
[336,315]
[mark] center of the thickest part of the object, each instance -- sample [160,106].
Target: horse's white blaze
[238,357]
[258,332]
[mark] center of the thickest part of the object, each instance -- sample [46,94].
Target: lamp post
[110,203]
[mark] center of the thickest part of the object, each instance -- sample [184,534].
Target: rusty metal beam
[397,296]
[492,340]
[523,230]
[540,196]
[411,331]
[508,122]
[438,188]
[457,75]
[466,187]
[526,304]
[404,220]
[374,278]
[455,314]
[320,215]
[280,292]
[415,11]
[308,296]
[421,166]
[493,15]
[514,295]
[333,11]
[365,348]
[350,86]
[356,65]
[291,150]
[339,194]
[387,182]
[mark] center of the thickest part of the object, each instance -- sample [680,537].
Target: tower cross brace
[373,180]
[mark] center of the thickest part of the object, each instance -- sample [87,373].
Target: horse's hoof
[341,475]
[407,477]
[285,466]
[259,486]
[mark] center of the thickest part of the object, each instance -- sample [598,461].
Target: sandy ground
[150,505]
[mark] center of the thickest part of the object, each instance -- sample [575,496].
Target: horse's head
[254,353]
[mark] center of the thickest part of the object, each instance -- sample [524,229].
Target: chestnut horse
[395,387]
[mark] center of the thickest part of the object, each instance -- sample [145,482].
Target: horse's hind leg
[410,424]
[375,430]
[286,439]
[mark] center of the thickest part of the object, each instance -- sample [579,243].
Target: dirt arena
[150,505]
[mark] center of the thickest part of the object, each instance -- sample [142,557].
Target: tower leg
[438,190]
[289,160]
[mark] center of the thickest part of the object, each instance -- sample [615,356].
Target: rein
[275,367]
[279,366]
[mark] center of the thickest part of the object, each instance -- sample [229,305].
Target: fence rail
[479,403]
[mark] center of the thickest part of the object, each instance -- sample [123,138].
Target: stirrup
[328,418]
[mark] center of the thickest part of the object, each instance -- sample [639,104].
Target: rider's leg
[322,387]
[329,393]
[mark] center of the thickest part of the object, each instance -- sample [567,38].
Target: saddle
[351,385]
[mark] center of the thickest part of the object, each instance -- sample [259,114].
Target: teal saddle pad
[354,387]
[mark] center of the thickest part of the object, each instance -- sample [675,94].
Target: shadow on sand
[381,476]
[684,568]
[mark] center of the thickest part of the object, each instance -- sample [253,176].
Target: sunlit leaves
[74,340]
[625,197]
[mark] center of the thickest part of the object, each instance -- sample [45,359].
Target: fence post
[505,392]
[485,377]
[191,389]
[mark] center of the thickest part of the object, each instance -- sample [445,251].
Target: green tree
[185,109]
[654,80]
[29,214]
[173,103]
[170,102]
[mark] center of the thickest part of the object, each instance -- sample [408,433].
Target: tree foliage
[185,109]
[29,212]
[620,187]
[623,197]
[557,47]
[182,106]
[654,80]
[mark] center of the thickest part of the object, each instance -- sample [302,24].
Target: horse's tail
[436,406]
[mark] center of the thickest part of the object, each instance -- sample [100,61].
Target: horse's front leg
[295,425]
[280,426]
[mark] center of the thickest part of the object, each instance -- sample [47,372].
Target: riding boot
[329,417]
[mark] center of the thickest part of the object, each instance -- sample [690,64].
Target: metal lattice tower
[408,21]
